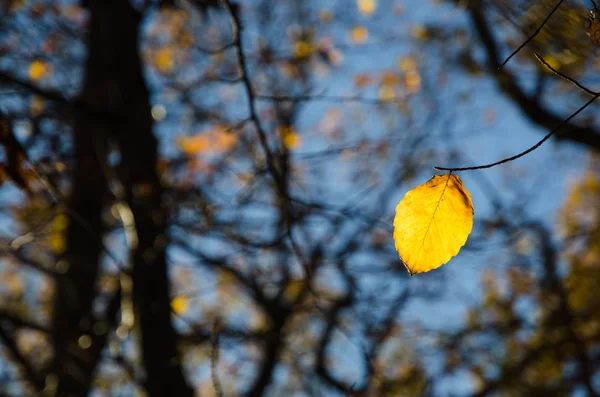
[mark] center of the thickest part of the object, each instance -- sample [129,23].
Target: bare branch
[515,52]
[562,76]
[531,149]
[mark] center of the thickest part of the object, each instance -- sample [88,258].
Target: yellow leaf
[57,242]
[179,304]
[407,63]
[593,28]
[60,223]
[413,81]
[302,49]
[387,93]
[164,60]
[290,138]
[293,289]
[37,69]
[366,7]
[432,223]
[419,32]
[359,34]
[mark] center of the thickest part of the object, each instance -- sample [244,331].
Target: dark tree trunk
[144,193]
[75,361]
[114,81]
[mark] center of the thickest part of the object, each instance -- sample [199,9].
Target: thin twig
[59,98]
[278,176]
[243,69]
[215,51]
[515,52]
[324,97]
[214,358]
[531,149]
[562,76]
[595,6]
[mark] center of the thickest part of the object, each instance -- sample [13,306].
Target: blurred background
[197,198]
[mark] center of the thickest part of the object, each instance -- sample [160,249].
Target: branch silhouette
[531,149]
[528,40]
[562,76]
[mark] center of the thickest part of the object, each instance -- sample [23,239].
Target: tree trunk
[74,360]
[114,82]
[144,193]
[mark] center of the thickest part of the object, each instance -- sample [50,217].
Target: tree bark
[74,362]
[114,82]
[144,193]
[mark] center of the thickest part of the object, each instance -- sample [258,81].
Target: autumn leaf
[593,28]
[164,60]
[366,7]
[413,81]
[362,80]
[180,304]
[432,223]
[216,140]
[406,63]
[359,34]
[387,93]
[290,138]
[37,70]
[303,49]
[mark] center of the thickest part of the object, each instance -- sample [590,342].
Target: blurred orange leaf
[216,140]
[163,59]
[361,80]
[37,69]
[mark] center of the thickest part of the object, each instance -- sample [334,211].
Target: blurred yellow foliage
[593,28]
[413,81]
[37,69]
[57,242]
[419,32]
[293,289]
[180,304]
[407,63]
[387,93]
[366,7]
[164,61]
[290,138]
[359,34]
[303,49]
